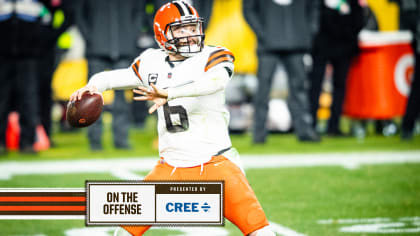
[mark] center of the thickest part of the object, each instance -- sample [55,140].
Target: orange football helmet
[178,14]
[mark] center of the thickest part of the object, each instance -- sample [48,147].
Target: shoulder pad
[135,66]
[218,55]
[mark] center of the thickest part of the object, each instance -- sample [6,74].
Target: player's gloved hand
[157,95]
[78,94]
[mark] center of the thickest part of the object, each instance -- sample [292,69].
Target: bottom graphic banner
[154,203]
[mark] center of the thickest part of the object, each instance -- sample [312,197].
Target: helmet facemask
[180,44]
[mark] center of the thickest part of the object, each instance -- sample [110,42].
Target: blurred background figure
[335,43]
[61,14]
[20,28]
[144,41]
[410,19]
[111,29]
[284,30]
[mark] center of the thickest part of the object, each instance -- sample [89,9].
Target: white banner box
[154,203]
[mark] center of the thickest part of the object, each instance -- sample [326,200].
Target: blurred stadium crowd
[300,65]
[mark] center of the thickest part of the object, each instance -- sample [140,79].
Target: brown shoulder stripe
[218,53]
[135,68]
[219,59]
[219,56]
[229,56]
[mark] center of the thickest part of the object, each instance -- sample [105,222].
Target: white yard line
[379,225]
[123,168]
[346,160]
[185,231]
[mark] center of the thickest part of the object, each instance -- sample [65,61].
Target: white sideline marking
[354,221]
[112,166]
[28,235]
[125,174]
[97,231]
[346,160]
[282,230]
[378,225]
[384,228]
[185,231]
[123,168]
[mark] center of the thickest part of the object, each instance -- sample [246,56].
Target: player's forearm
[209,84]
[115,79]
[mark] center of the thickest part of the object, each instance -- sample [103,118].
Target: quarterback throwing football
[186,82]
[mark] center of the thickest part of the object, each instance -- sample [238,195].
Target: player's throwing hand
[157,95]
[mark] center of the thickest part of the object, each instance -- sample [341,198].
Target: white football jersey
[191,129]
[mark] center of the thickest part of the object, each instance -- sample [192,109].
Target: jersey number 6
[183,117]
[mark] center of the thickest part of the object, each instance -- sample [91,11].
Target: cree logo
[205,207]
[186,207]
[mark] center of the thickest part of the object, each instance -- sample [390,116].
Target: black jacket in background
[20,36]
[338,33]
[50,34]
[410,19]
[111,27]
[282,27]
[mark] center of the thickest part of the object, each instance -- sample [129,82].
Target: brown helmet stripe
[190,11]
[178,6]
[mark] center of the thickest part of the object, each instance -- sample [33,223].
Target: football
[85,111]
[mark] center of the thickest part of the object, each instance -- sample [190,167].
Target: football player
[186,81]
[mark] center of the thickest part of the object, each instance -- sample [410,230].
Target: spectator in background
[410,19]
[50,31]
[20,23]
[284,30]
[145,40]
[111,29]
[335,43]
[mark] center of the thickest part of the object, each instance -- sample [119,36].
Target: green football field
[342,186]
